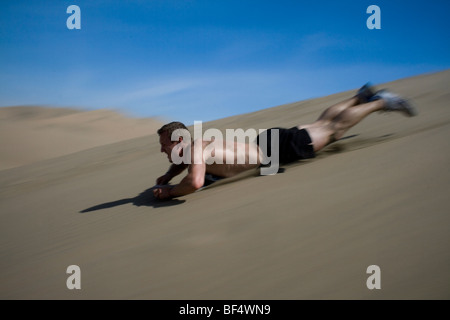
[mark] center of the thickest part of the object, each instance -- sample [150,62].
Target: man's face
[167,145]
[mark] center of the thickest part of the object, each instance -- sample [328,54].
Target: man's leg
[323,133]
[350,117]
[333,111]
[364,94]
[382,100]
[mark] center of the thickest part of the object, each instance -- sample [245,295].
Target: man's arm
[174,170]
[193,181]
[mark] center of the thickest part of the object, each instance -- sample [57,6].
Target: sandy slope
[31,134]
[379,197]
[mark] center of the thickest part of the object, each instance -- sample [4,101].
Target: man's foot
[365,93]
[394,102]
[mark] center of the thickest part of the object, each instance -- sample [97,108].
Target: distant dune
[30,133]
[378,197]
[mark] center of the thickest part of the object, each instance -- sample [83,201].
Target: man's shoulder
[203,142]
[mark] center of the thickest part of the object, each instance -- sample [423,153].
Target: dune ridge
[34,133]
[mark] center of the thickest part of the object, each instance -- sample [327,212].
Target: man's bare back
[228,158]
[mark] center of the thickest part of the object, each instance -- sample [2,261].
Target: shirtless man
[301,142]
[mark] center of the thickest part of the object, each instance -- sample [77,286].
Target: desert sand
[377,197]
[30,134]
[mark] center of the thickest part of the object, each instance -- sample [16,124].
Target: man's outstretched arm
[193,181]
[174,170]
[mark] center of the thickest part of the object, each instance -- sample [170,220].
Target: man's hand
[164,179]
[162,193]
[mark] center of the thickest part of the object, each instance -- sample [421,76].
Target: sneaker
[395,103]
[365,93]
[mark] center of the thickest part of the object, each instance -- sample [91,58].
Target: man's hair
[171,127]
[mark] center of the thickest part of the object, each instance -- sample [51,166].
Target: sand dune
[378,197]
[31,134]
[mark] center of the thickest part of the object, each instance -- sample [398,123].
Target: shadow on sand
[145,198]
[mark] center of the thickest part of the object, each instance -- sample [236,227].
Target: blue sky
[204,60]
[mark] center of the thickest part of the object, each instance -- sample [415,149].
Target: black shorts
[294,144]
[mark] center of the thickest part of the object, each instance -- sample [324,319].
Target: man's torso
[228,158]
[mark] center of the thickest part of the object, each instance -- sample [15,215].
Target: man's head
[165,137]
